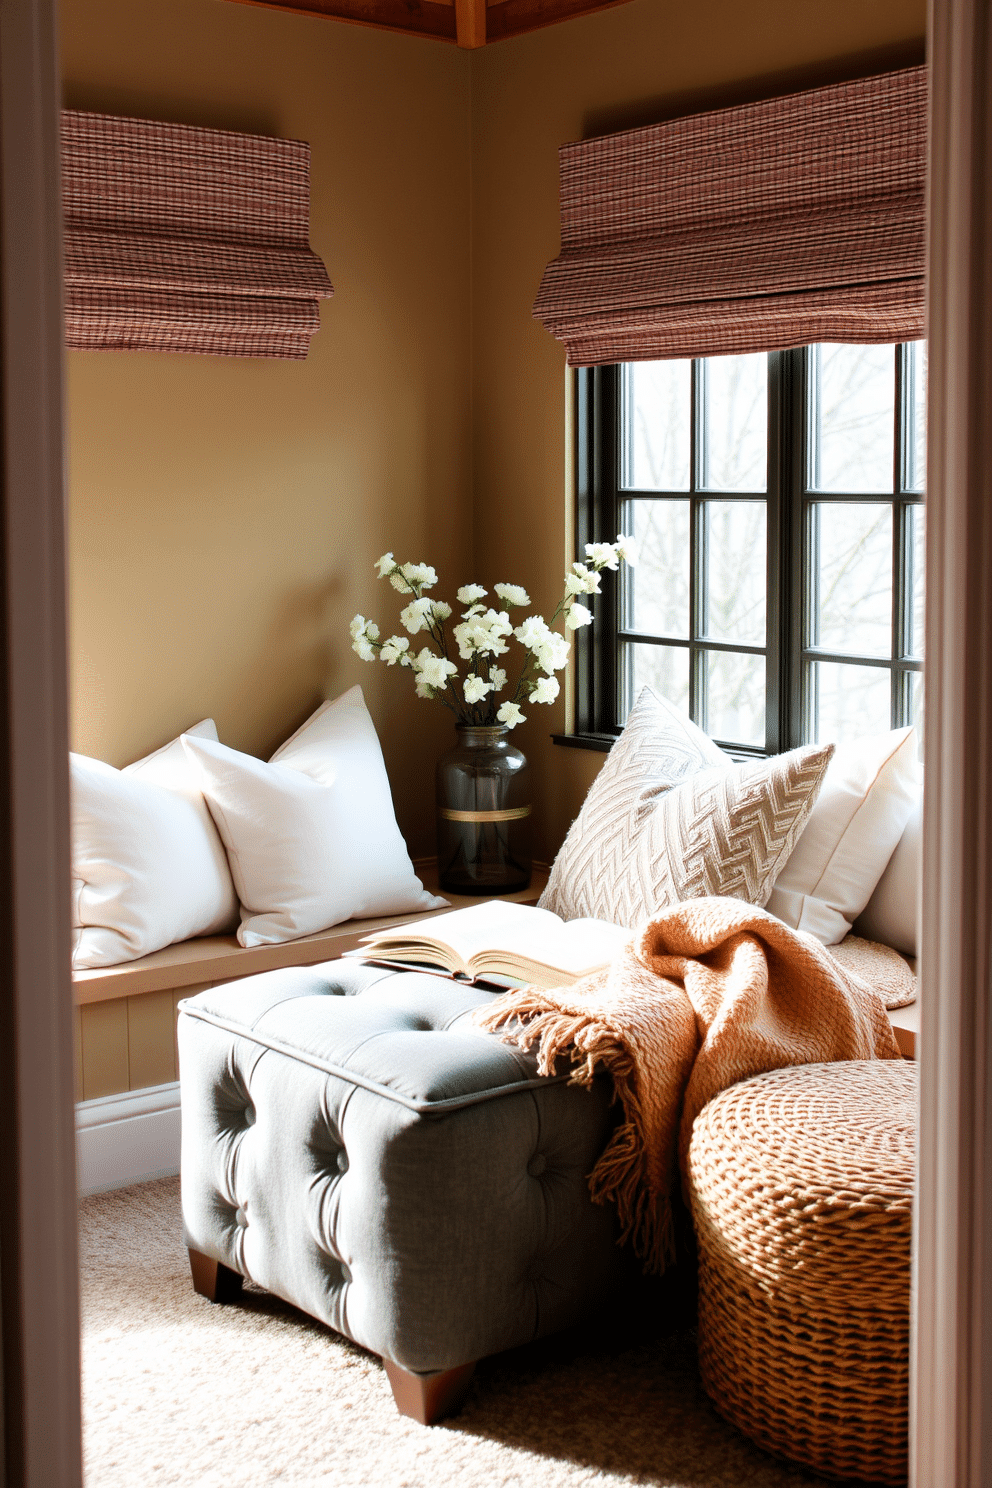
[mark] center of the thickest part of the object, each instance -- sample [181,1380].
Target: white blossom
[384,564]
[545,690]
[434,670]
[417,614]
[532,632]
[483,634]
[510,714]
[441,609]
[363,633]
[549,648]
[475,688]
[497,679]
[362,647]
[512,594]
[603,555]
[419,574]
[357,626]
[423,688]
[393,650]
[469,593]
[577,615]
[582,580]
[626,549]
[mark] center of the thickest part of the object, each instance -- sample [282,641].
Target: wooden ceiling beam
[470,23]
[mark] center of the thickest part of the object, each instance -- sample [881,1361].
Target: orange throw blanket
[712,992]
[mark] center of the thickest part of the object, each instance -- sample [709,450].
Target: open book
[513,940]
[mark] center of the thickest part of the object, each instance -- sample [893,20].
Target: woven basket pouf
[801,1187]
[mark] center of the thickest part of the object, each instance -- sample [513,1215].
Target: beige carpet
[177,1391]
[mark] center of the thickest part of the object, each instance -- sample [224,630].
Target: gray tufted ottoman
[352,1143]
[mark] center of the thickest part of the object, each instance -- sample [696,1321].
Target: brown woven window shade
[756,228]
[185,239]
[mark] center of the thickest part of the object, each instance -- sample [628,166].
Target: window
[777,500]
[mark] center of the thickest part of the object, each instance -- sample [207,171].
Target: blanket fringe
[620,1175]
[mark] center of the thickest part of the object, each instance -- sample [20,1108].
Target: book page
[572,949]
[482,927]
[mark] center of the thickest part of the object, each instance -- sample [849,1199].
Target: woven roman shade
[187,239]
[770,225]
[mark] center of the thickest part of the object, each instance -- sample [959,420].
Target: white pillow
[859,816]
[310,836]
[892,914]
[148,866]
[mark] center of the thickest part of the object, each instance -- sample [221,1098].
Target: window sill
[602,743]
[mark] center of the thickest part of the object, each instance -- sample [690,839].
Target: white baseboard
[127,1138]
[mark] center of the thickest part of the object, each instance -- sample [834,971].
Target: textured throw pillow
[310,836]
[858,819]
[148,867]
[892,914]
[659,748]
[721,832]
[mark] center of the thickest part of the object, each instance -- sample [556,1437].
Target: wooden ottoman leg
[212,1279]
[429,1397]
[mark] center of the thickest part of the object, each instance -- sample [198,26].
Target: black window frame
[791,538]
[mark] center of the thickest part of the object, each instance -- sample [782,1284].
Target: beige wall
[638,64]
[225,512]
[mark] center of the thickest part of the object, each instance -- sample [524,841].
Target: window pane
[664,668]
[657,590]
[734,403]
[916,407]
[656,426]
[735,697]
[849,701]
[736,560]
[917,578]
[852,570]
[853,418]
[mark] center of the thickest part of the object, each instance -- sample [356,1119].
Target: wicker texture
[187,239]
[801,1187]
[774,224]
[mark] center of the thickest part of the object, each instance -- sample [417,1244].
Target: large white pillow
[148,866]
[311,836]
[892,914]
[859,816]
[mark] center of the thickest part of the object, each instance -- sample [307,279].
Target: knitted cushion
[659,748]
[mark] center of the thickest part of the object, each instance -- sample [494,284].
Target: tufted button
[537,1165]
[241,1219]
[345,1272]
[249,1115]
[342,1161]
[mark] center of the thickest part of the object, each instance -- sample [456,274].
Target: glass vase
[483,814]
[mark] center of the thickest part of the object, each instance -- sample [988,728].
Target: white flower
[482,634]
[476,609]
[416,616]
[510,714]
[398,581]
[469,593]
[475,689]
[603,555]
[582,580]
[626,549]
[546,689]
[363,633]
[393,649]
[533,632]
[384,564]
[441,609]
[497,679]
[553,654]
[432,669]
[577,615]
[424,689]
[512,594]
[419,574]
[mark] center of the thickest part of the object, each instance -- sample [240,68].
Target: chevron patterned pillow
[659,748]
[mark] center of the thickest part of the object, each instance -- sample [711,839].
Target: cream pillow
[311,836]
[724,831]
[858,819]
[892,914]
[659,747]
[148,867]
